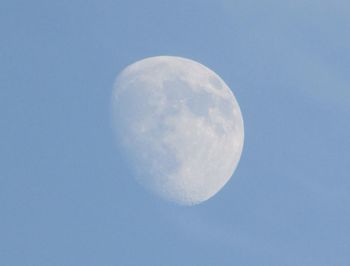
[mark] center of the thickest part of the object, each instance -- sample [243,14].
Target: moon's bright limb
[180,126]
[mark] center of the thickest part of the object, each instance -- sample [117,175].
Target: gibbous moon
[180,127]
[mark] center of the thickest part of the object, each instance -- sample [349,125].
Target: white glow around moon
[179,125]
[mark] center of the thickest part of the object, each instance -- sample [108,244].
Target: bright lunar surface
[179,126]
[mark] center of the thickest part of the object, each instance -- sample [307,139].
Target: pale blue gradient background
[65,196]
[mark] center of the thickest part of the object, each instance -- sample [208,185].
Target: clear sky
[66,198]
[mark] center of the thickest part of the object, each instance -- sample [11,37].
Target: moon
[180,127]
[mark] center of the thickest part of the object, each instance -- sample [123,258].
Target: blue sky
[65,196]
